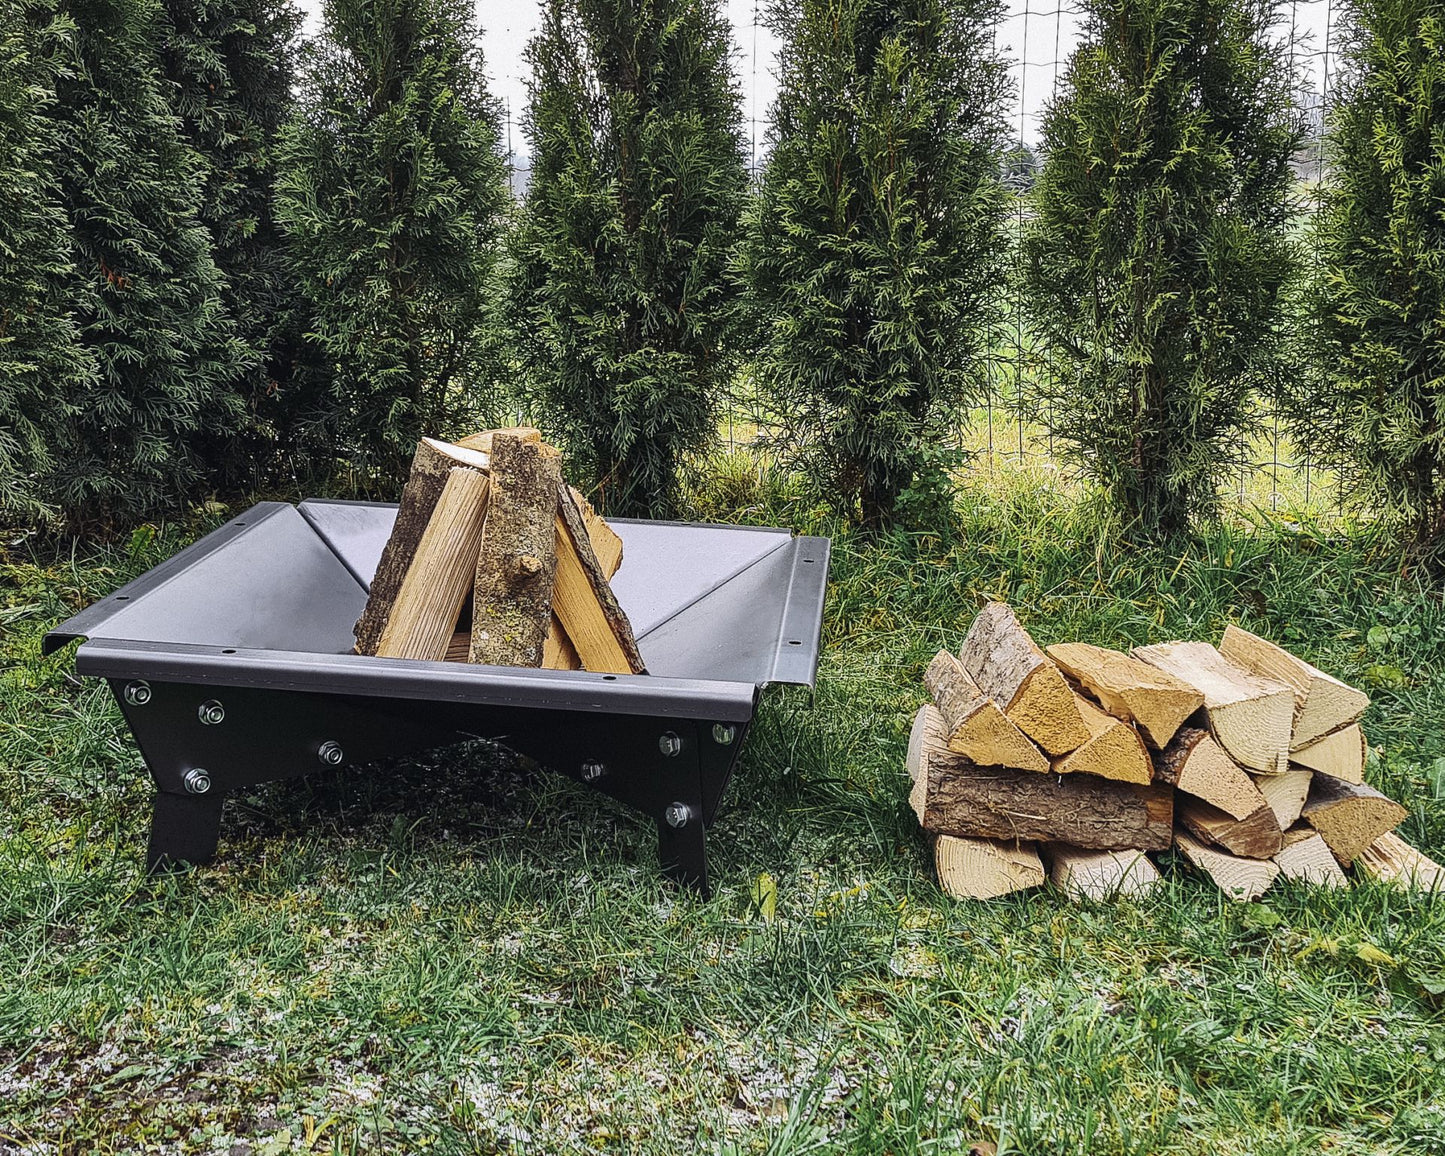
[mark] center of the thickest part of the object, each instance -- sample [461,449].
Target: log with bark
[517,565]
[973,722]
[1350,816]
[1006,664]
[952,795]
[430,466]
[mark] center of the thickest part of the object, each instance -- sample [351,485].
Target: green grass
[451,956]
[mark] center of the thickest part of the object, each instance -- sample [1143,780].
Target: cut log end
[1350,816]
[985,868]
[1239,878]
[1009,668]
[1099,875]
[1389,859]
[1250,717]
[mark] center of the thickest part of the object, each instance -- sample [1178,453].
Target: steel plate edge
[800,635]
[94,616]
[355,674]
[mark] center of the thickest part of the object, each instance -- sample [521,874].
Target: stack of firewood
[1244,759]
[494,559]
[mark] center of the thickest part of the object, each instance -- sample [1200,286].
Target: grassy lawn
[452,956]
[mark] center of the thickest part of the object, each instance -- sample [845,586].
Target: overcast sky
[1036,38]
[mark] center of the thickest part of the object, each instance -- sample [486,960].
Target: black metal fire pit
[231,663]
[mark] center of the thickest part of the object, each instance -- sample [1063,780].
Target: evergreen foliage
[874,255]
[623,297]
[391,191]
[231,64]
[1158,255]
[42,366]
[1377,410]
[146,291]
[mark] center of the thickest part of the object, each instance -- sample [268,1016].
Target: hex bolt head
[670,744]
[677,814]
[331,754]
[137,693]
[211,712]
[197,780]
[724,733]
[592,770]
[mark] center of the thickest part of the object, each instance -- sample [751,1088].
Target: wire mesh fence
[1035,39]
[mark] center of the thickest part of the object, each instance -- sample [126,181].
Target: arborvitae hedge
[391,190]
[231,64]
[43,368]
[622,296]
[1376,411]
[1159,247]
[146,292]
[874,259]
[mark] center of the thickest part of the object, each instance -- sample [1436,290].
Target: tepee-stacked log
[430,467]
[494,560]
[1245,760]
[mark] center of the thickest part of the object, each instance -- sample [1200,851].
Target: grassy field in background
[452,956]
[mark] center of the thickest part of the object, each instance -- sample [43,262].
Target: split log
[1285,794]
[1129,689]
[985,868]
[1097,875]
[1350,816]
[1114,749]
[605,542]
[1306,857]
[482,442]
[430,465]
[1340,755]
[558,653]
[1197,765]
[424,613]
[1322,702]
[1238,878]
[1003,660]
[517,566]
[1250,716]
[975,725]
[952,795]
[1256,836]
[589,611]
[1390,859]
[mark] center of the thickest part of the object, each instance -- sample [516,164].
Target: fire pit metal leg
[184,829]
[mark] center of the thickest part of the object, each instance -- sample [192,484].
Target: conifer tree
[43,367]
[146,290]
[1376,408]
[391,192]
[231,64]
[874,256]
[622,296]
[1158,251]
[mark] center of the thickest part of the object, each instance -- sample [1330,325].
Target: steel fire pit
[232,665]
